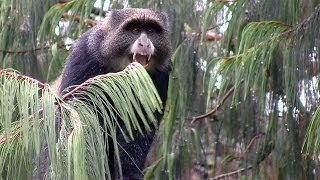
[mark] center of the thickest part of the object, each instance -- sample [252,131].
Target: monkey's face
[137,35]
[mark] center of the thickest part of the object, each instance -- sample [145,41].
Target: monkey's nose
[144,43]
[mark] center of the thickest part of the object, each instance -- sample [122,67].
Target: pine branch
[14,75]
[21,77]
[80,88]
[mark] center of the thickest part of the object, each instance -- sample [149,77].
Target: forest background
[243,99]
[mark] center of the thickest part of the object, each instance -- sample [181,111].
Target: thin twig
[224,1]
[251,144]
[2,140]
[90,22]
[214,110]
[22,51]
[239,171]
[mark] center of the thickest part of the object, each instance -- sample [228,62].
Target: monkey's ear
[115,18]
[165,18]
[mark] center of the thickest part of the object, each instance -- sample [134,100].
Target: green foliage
[257,90]
[19,48]
[176,140]
[258,46]
[266,69]
[33,114]
[73,8]
[311,144]
[271,65]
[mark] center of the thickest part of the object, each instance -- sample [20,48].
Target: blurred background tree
[243,90]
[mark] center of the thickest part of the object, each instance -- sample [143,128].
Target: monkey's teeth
[134,57]
[149,57]
[142,58]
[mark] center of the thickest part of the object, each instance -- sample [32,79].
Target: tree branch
[63,46]
[214,110]
[90,22]
[77,89]
[239,171]
[21,77]
[250,145]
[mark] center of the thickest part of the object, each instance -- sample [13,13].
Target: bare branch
[251,144]
[227,175]
[63,46]
[214,110]
[90,22]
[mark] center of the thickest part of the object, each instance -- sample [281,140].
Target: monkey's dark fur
[107,48]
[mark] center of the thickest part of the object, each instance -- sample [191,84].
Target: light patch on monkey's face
[142,50]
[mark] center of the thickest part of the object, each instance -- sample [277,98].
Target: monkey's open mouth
[143,59]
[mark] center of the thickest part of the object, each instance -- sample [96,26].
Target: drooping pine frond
[258,46]
[33,116]
[274,72]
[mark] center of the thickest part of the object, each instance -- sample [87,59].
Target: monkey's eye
[150,30]
[136,30]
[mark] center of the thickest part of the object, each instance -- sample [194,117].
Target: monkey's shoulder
[83,60]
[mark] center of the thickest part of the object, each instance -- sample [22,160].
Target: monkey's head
[135,35]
